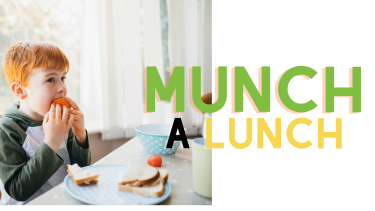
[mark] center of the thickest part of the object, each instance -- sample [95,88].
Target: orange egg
[62,102]
[154,161]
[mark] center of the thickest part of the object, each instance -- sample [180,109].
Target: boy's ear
[18,90]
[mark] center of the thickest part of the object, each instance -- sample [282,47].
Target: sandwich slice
[140,175]
[153,189]
[82,177]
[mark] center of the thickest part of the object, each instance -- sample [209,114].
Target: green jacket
[22,176]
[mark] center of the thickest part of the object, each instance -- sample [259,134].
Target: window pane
[56,21]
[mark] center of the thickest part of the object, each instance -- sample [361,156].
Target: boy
[38,139]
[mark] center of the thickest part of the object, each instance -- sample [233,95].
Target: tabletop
[180,177]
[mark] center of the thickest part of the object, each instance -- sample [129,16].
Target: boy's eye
[63,78]
[51,80]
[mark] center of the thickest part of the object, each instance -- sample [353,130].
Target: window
[164,36]
[57,21]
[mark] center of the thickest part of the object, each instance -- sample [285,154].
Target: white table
[180,177]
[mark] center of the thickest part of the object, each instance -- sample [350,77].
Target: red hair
[22,57]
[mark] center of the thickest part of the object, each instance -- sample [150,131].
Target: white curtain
[102,90]
[120,38]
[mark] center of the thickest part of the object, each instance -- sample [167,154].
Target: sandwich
[144,180]
[82,177]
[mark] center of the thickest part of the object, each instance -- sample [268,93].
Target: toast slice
[140,174]
[82,177]
[154,189]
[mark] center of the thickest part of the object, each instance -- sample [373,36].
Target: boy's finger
[73,111]
[52,111]
[58,111]
[76,117]
[45,120]
[65,114]
[71,120]
[72,103]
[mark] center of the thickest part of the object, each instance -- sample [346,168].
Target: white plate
[105,192]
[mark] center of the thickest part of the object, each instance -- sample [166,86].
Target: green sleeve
[23,177]
[76,153]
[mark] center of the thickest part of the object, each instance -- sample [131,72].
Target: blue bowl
[154,138]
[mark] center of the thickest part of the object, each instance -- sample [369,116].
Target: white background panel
[282,35]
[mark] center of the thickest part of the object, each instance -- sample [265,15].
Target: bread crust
[142,192]
[166,177]
[148,181]
[82,182]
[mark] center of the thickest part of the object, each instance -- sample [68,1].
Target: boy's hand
[79,123]
[56,125]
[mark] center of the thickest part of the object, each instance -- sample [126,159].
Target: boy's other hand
[79,123]
[56,125]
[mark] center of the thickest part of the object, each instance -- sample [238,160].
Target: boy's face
[45,86]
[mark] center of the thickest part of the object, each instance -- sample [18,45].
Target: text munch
[242,83]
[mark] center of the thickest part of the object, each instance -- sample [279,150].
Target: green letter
[243,82]
[283,89]
[196,89]
[155,84]
[353,91]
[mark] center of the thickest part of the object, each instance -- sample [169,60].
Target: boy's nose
[62,88]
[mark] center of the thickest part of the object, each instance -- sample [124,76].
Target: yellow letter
[249,134]
[209,143]
[275,140]
[289,133]
[322,134]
